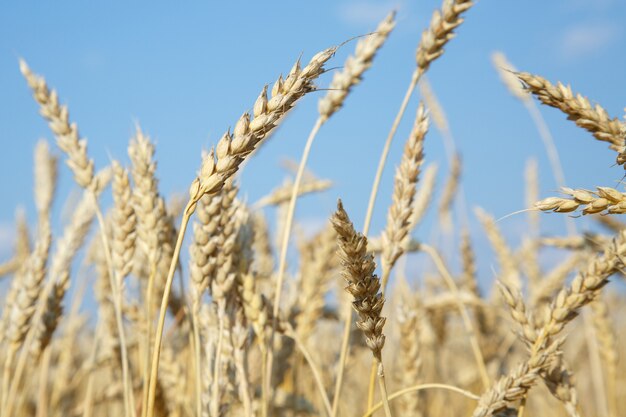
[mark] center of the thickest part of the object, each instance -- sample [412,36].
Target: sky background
[186,73]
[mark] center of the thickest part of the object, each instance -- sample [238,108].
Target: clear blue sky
[187,72]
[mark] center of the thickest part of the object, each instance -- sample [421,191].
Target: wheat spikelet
[225,253]
[556,377]
[515,386]
[594,119]
[440,32]
[123,223]
[354,67]
[148,205]
[517,309]
[398,217]
[205,244]
[605,199]
[232,149]
[560,383]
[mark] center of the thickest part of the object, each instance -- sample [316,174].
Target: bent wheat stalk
[231,151]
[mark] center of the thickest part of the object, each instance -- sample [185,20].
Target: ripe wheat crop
[219,325]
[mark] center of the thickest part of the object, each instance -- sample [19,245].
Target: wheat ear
[364,286]
[605,200]
[230,152]
[401,209]
[583,289]
[594,119]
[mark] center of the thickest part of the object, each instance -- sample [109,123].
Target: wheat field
[206,307]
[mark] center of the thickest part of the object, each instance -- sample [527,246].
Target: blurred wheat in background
[203,306]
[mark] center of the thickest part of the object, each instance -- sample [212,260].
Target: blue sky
[186,73]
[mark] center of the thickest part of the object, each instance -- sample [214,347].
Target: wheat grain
[440,32]
[605,199]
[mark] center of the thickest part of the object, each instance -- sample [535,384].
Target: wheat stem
[385,152]
[285,241]
[189,209]
[421,387]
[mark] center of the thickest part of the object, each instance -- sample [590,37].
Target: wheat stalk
[230,152]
